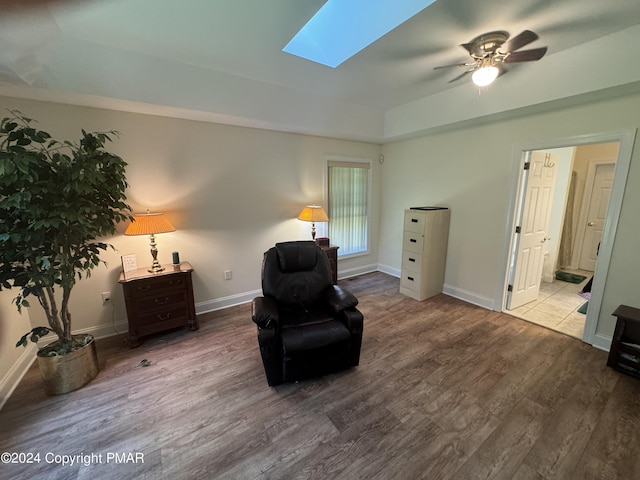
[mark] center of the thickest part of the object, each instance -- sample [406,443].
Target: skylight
[341,28]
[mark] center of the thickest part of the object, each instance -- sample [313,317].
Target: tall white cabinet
[424,251]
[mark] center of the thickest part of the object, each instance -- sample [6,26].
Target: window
[348,183]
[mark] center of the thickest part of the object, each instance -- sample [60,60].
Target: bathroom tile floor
[557,307]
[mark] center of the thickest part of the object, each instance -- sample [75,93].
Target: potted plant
[56,199]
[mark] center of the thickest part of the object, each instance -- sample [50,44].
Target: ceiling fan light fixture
[485,75]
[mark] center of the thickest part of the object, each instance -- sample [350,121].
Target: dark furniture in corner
[624,354]
[307,326]
[158,301]
[332,255]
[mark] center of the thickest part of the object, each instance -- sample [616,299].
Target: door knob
[590,224]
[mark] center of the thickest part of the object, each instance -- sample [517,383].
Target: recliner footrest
[308,337]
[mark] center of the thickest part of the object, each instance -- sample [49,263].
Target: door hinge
[510,288]
[527,165]
[518,229]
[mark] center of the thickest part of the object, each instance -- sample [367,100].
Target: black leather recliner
[307,326]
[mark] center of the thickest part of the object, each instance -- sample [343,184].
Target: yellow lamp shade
[149,223]
[313,213]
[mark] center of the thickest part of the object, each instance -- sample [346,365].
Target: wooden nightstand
[332,255]
[158,301]
[624,354]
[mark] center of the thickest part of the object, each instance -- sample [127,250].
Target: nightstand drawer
[160,302]
[153,286]
[156,319]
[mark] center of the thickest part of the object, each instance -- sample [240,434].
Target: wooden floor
[444,390]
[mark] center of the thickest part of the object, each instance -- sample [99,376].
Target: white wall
[231,192]
[469,170]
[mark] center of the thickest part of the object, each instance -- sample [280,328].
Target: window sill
[347,256]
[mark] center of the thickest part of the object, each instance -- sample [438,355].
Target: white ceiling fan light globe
[485,76]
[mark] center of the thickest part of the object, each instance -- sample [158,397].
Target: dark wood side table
[158,301]
[332,254]
[624,354]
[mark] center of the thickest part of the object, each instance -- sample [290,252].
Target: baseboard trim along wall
[470,297]
[602,342]
[394,272]
[226,302]
[353,272]
[17,371]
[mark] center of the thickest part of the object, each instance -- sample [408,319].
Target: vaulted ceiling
[222,61]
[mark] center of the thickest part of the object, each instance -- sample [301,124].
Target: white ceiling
[222,60]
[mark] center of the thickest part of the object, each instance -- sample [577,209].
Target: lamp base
[156,268]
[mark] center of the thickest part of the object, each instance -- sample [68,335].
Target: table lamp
[313,214]
[150,224]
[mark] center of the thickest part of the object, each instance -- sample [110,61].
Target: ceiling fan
[490,51]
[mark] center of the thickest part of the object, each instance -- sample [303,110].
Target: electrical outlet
[227,274]
[106,297]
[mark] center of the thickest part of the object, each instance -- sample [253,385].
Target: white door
[597,211]
[534,223]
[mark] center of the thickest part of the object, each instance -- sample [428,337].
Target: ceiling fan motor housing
[487,44]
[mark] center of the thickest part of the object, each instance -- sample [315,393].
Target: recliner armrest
[340,299]
[264,312]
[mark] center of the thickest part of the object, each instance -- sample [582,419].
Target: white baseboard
[353,272]
[469,297]
[394,272]
[17,371]
[602,342]
[226,302]
[105,331]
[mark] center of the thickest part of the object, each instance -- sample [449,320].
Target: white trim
[226,302]
[602,342]
[393,271]
[626,140]
[469,297]
[16,372]
[355,271]
[102,331]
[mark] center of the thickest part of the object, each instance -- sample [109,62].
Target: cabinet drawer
[411,281]
[414,222]
[155,302]
[413,242]
[411,261]
[176,315]
[152,286]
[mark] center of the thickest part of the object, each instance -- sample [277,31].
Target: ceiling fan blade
[454,65]
[463,74]
[526,55]
[520,40]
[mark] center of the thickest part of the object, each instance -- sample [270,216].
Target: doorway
[569,235]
